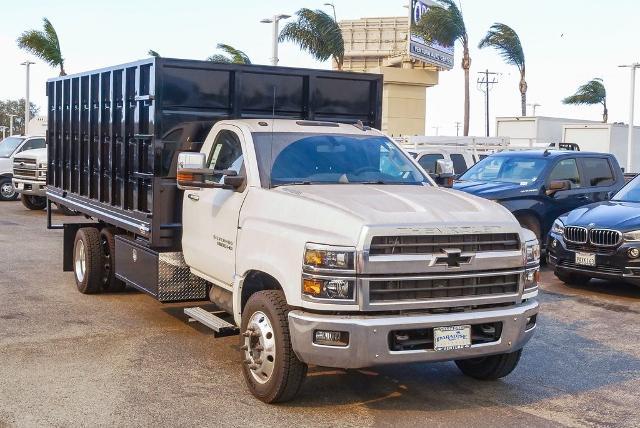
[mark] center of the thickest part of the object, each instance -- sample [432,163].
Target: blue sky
[566,43]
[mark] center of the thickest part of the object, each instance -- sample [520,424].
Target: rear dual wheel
[93,261]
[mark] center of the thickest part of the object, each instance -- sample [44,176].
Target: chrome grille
[25,161]
[381,291]
[430,244]
[27,173]
[577,235]
[604,237]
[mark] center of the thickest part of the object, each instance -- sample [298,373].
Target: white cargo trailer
[533,131]
[606,138]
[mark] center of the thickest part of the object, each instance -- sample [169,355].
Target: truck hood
[493,189]
[40,155]
[616,215]
[405,204]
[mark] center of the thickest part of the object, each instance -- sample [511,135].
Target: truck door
[210,216]
[566,200]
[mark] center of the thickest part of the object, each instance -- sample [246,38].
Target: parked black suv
[538,186]
[599,240]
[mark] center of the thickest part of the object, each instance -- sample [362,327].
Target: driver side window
[566,169]
[226,153]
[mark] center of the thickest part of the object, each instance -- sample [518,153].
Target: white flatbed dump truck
[267,191]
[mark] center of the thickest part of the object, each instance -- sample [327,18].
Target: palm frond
[219,58]
[316,33]
[153,53]
[506,41]
[443,24]
[592,92]
[237,56]
[43,44]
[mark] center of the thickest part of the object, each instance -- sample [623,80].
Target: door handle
[193,197]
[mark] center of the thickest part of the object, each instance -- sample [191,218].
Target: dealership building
[409,65]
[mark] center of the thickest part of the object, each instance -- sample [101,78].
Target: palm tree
[153,53]
[235,56]
[506,41]
[444,24]
[317,33]
[592,92]
[43,44]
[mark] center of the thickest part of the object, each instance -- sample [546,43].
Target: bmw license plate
[585,259]
[451,337]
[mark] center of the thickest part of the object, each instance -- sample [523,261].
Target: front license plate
[585,259]
[452,337]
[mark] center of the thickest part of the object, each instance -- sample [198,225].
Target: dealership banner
[429,52]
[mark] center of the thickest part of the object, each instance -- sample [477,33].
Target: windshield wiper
[372,182]
[292,183]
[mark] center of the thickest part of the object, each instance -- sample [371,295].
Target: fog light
[331,338]
[633,253]
[531,322]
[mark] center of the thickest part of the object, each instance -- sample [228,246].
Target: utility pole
[275,33]
[533,106]
[27,63]
[458,128]
[4,131]
[485,83]
[11,116]
[632,92]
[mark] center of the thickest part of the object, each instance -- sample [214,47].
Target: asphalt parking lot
[67,359]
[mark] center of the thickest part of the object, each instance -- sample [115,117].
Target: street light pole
[334,10]
[27,63]
[632,92]
[4,132]
[11,116]
[274,42]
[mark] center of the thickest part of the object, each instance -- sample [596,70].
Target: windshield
[630,192]
[521,170]
[9,145]
[306,158]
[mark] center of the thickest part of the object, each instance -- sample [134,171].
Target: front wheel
[7,191]
[490,368]
[36,203]
[271,369]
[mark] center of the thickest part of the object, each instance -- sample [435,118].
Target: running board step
[214,322]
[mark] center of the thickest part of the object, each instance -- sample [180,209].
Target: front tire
[271,369]
[572,278]
[35,203]
[87,260]
[490,368]
[7,191]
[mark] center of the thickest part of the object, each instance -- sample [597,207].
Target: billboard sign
[430,53]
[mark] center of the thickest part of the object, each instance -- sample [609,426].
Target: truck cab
[11,147]
[538,186]
[30,177]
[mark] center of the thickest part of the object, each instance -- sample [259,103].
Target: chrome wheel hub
[80,261]
[260,347]
[7,190]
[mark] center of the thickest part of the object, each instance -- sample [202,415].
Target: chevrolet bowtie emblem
[452,257]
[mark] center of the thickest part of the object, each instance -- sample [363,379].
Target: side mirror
[190,170]
[558,185]
[234,181]
[444,174]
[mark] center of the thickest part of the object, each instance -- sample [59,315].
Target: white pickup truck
[30,178]
[324,242]
[10,148]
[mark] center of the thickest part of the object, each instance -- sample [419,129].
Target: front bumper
[611,263]
[369,336]
[30,187]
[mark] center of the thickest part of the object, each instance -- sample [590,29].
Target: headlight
[634,235]
[340,289]
[532,252]
[531,278]
[329,272]
[328,258]
[558,227]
